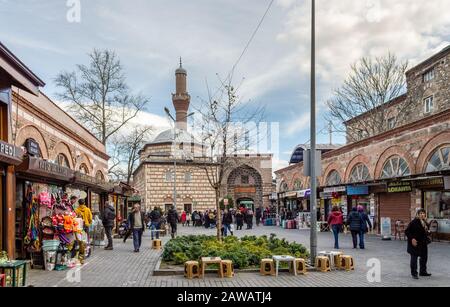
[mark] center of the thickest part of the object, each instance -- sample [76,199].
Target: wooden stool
[323,263]
[192,269]
[267,267]
[2,280]
[156,244]
[336,259]
[300,266]
[226,269]
[347,263]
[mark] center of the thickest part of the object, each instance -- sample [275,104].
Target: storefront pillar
[10,213]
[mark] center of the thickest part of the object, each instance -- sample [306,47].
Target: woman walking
[417,233]
[335,220]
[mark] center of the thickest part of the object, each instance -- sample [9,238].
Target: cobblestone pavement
[123,268]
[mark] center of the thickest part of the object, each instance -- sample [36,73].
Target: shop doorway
[247,203]
[188,208]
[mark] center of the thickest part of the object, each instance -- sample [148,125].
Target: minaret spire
[181,98]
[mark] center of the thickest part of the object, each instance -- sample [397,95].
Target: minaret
[181,98]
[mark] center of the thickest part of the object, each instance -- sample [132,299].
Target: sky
[149,36]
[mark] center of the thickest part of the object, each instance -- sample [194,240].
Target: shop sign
[358,190]
[304,193]
[291,194]
[10,153]
[447,183]
[399,187]
[431,182]
[245,190]
[335,189]
[51,168]
[326,195]
[273,196]
[32,148]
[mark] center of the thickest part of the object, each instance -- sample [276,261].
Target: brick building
[395,172]
[248,180]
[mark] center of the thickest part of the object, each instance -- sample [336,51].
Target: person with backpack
[364,229]
[335,221]
[172,219]
[418,233]
[155,218]
[109,216]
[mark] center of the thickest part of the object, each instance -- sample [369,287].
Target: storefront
[333,197]
[436,201]
[394,202]
[40,187]
[119,196]
[95,191]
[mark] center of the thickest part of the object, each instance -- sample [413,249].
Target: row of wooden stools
[192,269]
[326,261]
[268,267]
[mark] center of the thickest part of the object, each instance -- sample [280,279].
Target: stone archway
[31,132]
[245,182]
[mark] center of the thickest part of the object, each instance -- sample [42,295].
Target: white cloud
[278,164]
[299,124]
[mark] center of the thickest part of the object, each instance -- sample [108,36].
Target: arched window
[62,160]
[333,178]
[99,175]
[395,167]
[84,169]
[440,160]
[360,173]
[188,177]
[169,176]
[283,187]
[298,185]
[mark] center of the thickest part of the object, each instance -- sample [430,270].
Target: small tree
[98,96]
[371,84]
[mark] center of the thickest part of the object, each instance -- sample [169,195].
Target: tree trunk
[219,216]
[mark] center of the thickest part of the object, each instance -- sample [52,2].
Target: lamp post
[174,154]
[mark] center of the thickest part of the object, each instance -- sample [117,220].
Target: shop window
[333,178]
[437,204]
[395,167]
[62,160]
[440,160]
[360,173]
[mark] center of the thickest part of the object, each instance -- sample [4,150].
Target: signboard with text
[399,187]
[358,190]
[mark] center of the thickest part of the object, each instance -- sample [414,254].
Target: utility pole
[313,197]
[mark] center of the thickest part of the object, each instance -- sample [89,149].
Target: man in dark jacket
[155,217]
[258,214]
[417,234]
[109,215]
[239,220]
[172,219]
[364,222]
[227,221]
[136,220]
[354,223]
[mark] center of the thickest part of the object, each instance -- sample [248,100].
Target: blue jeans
[155,226]
[361,239]
[355,234]
[225,227]
[336,230]
[137,238]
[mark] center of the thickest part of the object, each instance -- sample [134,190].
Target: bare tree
[126,152]
[368,90]
[98,95]
[225,132]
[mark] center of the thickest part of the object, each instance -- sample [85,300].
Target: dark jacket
[415,230]
[131,220]
[227,218]
[172,216]
[109,215]
[239,219]
[354,221]
[155,216]
[258,213]
[364,221]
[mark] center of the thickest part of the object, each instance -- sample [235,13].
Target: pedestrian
[335,221]
[418,233]
[239,220]
[108,218]
[364,222]
[172,219]
[183,218]
[136,221]
[84,213]
[227,221]
[258,215]
[354,223]
[249,219]
[212,219]
[206,218]
[188,218]
[155,218]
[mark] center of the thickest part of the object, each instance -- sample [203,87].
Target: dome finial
[181,63]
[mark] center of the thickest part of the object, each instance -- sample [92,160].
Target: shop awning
[39,168]
[10,154]
[90,182]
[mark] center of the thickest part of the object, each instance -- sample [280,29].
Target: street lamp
[174,155]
